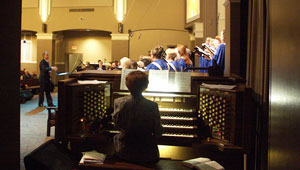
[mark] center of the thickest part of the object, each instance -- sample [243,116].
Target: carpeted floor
[34,125]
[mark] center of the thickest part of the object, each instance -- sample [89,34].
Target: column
[198,32]
[210,18]
[120,46]
[46,42]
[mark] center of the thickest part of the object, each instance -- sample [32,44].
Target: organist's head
[136,82]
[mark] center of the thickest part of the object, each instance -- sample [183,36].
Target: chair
[51,118]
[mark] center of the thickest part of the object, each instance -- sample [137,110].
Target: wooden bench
[51,118]
[30,84]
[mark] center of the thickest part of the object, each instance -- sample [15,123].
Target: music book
[92,157]
[91,82]
[203,164]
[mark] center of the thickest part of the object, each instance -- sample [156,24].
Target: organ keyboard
[179,126]
[176,110]
[180,135]
[177,118]
[178,113]
[164,134]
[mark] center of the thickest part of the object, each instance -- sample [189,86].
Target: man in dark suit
[100,65]
[45,82]
[138,120]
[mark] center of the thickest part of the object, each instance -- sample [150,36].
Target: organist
[138,120]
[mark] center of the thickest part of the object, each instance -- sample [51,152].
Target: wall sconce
[120,7]
[44,28]
[44,7]
[120,28]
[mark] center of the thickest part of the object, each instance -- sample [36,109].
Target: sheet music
[182,82]
[165,81]
[125,72]
[158,80]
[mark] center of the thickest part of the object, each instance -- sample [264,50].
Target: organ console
[178,116]
[201,118]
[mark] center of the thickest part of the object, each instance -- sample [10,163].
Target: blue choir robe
[183,65]
[204,63]
[220,56]
[160,62]
[176,64]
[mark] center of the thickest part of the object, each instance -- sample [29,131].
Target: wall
[102,17]
[143,41]
[146,14]
[284,138]
[31,67]
[93,45]
[156,17]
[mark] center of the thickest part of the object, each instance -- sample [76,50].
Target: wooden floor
[34,126]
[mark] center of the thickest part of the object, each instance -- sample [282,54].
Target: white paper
[92,157]
[212,165]
[165,81]
[219,86]
[125,72]
[91,82]
[158,80]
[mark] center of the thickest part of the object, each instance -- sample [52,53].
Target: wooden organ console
[205,122]
[178,116]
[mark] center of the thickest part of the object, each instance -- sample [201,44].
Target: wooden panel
[284,138]
[10,33]
[80,3]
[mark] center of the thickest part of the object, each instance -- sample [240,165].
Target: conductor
[45,82]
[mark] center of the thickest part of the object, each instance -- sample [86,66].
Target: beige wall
[31,19]
[93,45]
[141,14]
[61,19]
[155,16]
[31,67]
[143,41]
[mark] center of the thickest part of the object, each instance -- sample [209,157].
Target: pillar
[210,18]
[120,46]
[198,32]
[46,42]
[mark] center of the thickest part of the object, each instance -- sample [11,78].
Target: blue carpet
[34,126]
